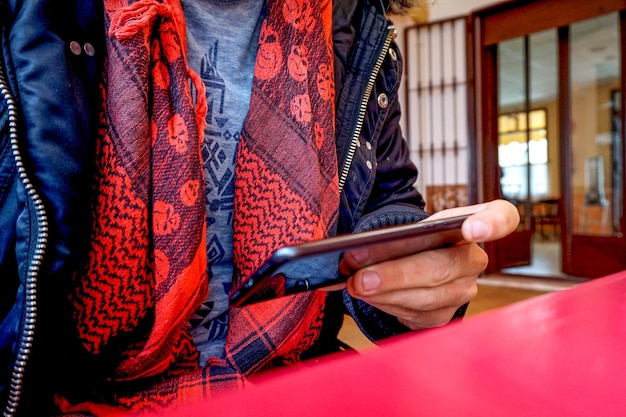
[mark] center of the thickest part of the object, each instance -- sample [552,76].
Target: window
[523,143]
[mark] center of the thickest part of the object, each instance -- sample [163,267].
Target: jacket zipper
[30,314]
[363,107]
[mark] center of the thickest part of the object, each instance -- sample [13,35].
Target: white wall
[439,10]
[443,9]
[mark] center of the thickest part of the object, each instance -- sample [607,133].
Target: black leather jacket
[49,73]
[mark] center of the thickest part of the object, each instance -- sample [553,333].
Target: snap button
[368,146]
[383,101]
[89,49]
[369,164]
[393,54]
[75,48]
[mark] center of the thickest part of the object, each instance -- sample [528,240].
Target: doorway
[549,117]
[528,146]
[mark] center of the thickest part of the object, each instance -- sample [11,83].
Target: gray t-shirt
[222,38]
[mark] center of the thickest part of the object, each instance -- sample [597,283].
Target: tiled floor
[546,260]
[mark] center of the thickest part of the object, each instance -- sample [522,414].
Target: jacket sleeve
[374,323]
[393,198]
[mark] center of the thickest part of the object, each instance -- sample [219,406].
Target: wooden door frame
[511,19]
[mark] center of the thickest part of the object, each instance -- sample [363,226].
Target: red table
[561,354]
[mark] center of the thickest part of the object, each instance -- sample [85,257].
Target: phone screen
[314,265]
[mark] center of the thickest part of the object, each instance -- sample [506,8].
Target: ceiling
[594,56]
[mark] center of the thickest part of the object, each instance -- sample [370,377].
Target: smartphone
[313,265]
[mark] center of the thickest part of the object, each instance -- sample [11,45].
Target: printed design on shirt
[219,181]
[215,93]
[216,328]
[217,162]
[218,151]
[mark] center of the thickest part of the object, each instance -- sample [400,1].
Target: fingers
[490,221]
[359,258]
[428,319]
[405,281]
[422,308]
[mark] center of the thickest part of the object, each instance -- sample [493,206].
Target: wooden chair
[546,218]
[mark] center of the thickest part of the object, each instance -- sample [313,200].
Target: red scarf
[286,188]
[147,269]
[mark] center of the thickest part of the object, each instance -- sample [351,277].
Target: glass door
[548,123]
[595,160]
[528,148]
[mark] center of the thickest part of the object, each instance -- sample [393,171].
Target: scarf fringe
[129,20]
